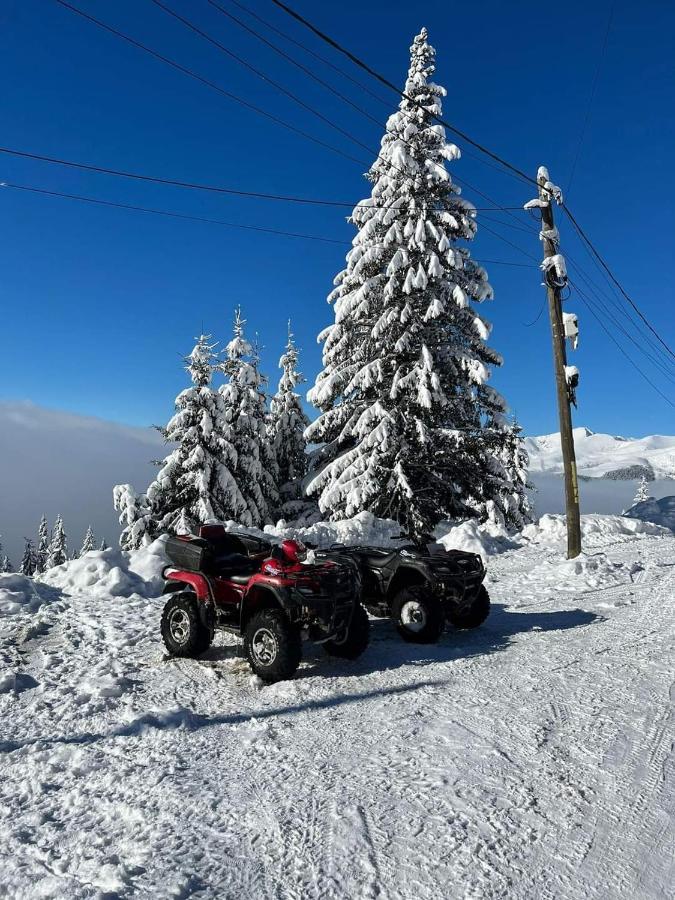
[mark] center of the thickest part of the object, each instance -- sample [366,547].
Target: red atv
[273,599]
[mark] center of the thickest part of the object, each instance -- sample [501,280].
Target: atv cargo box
[190,554]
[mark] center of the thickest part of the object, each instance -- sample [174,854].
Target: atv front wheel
[476,614]
[418,616]
[273,645]
[183,631]
[355,639]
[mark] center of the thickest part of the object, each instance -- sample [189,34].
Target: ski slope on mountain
[605,456]
[530,758]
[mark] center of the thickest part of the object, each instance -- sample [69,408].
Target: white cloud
[60,462]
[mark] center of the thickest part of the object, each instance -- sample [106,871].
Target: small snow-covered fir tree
[89,542]
[42,546]
[642,492]
[28,560]
[195,483]
[5,565]
[244,405]
[57,553]
[411,427]
[104,545]
[287,426]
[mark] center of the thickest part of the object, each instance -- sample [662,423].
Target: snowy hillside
[534,751]
[606,456]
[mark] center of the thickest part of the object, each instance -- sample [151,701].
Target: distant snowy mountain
[606,456]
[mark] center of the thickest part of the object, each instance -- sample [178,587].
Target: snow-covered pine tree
[28,560]
[89,542]
[104,545]
[57,553]
[6,565]
[506,454]
[405,404]
[43,546]
[642,492]
[287,426]
[195,483]
[244,405]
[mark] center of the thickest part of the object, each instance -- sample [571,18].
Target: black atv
[420,586]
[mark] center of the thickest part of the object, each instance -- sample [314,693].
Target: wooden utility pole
[555,279]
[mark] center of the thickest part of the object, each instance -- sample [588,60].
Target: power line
[584,300]
[180,68]
[385,81]
[291,60]
[218,189]
[259,73]
[662,359]
[175,215]
[309,50]
[591,97]
[607,313]
[587,241]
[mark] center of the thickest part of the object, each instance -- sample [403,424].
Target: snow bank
[364,528]
[587,572]
[552,529]
[472,537]
[112,572]
[658,512]
[18,594]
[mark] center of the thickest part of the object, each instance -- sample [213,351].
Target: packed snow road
[531,758]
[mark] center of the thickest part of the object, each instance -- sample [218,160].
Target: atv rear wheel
[418,616]
[476,614]
[183,631]
[273,645]
[355,639]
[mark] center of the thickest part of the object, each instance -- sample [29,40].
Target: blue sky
[99,304]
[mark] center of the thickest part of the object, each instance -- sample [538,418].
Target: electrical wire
[309,50]
[175,215]
[385,81]
[587,241]
[218,189]
[589,306]
[180,68]
[259,73]
[591,97]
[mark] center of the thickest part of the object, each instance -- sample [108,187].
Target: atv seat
[380,560]
[239,579]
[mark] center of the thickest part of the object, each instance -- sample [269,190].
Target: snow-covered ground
[531,758]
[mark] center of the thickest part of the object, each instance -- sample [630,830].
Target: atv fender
[265,596]
[198,582]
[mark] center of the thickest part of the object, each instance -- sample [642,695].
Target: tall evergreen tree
[89,542]
[244,403]
[195,483]
[403,393]
[57,554]
[287,426]
[43,546]
[29,559]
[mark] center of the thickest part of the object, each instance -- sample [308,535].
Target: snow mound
[112,572]
[18,594]
[364,528]
[551,529]
[587,572]
[472,537]
[658,512]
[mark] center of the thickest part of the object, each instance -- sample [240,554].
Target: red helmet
[294,551]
